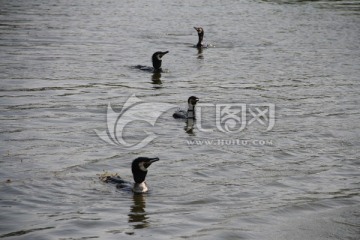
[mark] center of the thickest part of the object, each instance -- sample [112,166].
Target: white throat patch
[142,167]
[158,57]
[140,187]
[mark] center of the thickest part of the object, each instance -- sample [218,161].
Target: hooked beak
[154,160]
[151,160]
[163,53]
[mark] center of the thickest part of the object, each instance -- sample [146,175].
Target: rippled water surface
[63,62]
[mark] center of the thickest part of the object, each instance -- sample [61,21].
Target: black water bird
[200,44]
[190,113]
[156,62]
[200,32]
[139,169]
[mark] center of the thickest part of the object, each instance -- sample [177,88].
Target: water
[63,62]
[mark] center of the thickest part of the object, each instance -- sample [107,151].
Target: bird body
[190,113]
[139,170]
[200,44]
[156,59]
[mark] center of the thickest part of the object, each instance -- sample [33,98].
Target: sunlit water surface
[63,62]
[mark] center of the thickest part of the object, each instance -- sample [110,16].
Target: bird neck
[156,64]
[139,175]
[201,37]
[191,111]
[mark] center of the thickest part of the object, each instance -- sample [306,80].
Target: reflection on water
[156,79]
[348,5]
[23,232]
[200,53]
[137,216]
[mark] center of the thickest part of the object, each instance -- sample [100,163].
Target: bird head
[156,59]
[193,100]
[139,168]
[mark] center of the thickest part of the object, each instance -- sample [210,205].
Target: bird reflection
[200,53]
[156,79]
[137,214]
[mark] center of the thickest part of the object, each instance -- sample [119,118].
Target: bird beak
[154,160]
[163,53]
[151,160]
[197,29]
